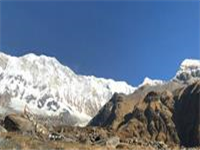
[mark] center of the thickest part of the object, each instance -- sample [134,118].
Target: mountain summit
[189,71]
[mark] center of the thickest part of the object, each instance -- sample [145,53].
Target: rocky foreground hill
[159,117]
[159,114]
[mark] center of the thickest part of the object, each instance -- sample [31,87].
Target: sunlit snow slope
[49,88]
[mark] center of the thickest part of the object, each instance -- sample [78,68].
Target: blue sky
[120,40]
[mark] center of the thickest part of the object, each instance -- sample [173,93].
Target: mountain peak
[33,56]
[189,71]
[190,64]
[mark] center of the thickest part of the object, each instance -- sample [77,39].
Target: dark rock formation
[15,122]
[187,115]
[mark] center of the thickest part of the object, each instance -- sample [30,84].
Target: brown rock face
[187,115]
[113,112]
[169,116]
[151,120]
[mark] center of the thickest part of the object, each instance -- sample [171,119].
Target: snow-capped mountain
[48,87]
[189,71]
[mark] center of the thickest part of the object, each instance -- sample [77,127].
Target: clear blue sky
[120,40]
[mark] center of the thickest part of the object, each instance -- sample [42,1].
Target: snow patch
[150,82]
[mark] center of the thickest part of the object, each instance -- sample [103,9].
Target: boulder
[15,122]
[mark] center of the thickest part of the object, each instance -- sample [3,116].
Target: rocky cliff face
[187,115]
[171,116]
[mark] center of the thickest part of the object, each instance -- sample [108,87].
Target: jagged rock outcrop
[151,120]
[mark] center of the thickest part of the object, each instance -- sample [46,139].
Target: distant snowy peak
[149,82]
[48,87]
[190,64]
[189,71]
